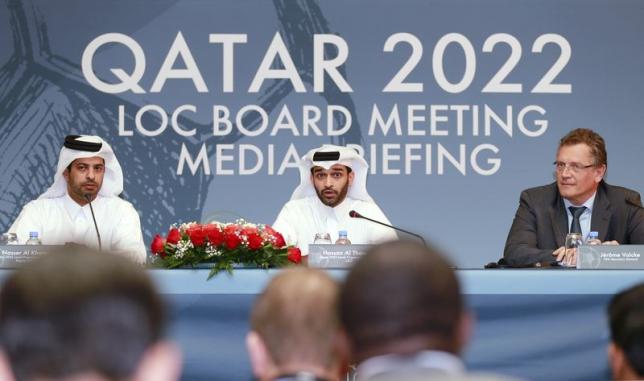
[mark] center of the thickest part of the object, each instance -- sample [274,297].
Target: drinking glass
[9,239]
[322,239]
[573,241]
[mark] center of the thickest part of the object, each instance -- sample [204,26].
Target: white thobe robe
[61,220]
[300,219]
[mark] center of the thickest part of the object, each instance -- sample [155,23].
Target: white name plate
[12,256]
[335,256]
[619,257]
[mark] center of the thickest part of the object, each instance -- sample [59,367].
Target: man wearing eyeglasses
[580,201]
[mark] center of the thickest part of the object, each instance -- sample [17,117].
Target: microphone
[354,214]
[88,197]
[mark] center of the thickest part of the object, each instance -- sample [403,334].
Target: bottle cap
[342,233]
[33,234]
[593,234]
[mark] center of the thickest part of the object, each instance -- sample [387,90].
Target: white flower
[243,223]
[182,247]
[212,251]
[186,225]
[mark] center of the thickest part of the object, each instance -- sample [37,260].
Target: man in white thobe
[87,171]
[333,183]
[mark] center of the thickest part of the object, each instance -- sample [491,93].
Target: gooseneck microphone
[88,197]
[354,214]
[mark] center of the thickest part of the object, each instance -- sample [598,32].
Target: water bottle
[593,239]
[33,239]
[342,238]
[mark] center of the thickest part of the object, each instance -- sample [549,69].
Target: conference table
[535,324]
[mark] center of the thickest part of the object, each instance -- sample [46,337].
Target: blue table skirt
[534,324]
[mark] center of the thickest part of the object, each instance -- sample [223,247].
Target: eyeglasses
[560,166]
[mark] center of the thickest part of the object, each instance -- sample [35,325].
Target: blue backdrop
[458,105]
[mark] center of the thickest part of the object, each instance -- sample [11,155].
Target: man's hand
[569,257]
[566,257]
[559,253]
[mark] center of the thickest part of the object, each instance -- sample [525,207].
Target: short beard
[341,196]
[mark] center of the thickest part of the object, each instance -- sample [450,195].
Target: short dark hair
[399,291]
[626,320]
[78,311]
[591,139]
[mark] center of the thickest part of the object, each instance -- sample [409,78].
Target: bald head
[401,297]
[296,318]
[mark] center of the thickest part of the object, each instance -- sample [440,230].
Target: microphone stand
[88,197]
[354,214]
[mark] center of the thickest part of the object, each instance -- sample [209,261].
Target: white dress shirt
[61,220]
[300,219]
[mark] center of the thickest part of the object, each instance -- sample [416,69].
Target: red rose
[255,241]
[279,240]
[248,231]
[214,234]
[158,246]
[268,229]
[232,240]
[294,255]
[230,229]
[173,236]
[197,235]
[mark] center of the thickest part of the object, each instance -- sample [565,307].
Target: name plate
[335,256]
[12,256]
[620,257]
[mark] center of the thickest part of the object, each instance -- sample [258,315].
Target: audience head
[626,319]
[81,315]
[401,298]
[294,327]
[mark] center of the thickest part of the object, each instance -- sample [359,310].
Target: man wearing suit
[404,317]
[579,201]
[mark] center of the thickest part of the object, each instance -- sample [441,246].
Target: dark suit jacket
[540,224]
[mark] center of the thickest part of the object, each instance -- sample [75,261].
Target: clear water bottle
[593,239]
[342,238]
[33,239]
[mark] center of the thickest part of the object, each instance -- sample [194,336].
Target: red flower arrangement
[223,245]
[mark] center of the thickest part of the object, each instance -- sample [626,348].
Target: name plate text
[12,256]
[620,257]
[335,256]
